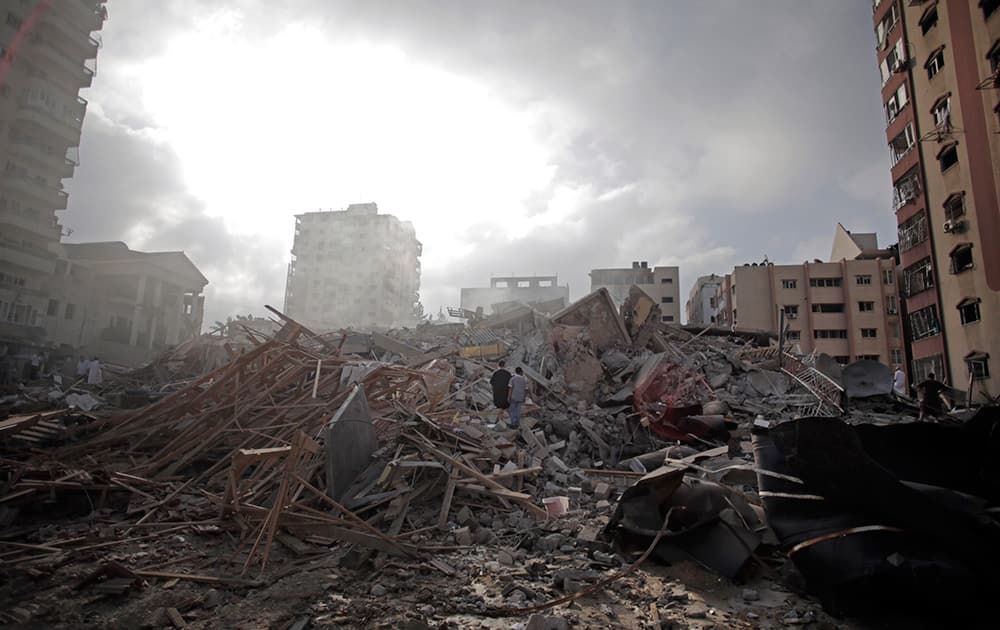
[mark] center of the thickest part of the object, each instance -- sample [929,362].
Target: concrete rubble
[662,477]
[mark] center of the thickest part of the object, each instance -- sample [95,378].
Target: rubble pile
[364,480]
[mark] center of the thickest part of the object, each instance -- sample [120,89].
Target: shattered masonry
[360,479]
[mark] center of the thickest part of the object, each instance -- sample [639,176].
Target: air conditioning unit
[954,226]
[791,315]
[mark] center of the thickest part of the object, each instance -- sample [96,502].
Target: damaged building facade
[660,283]
[505,292]
[847,308]
[122,305]
[702,307]
[49,54]
[353,268]
[940,69]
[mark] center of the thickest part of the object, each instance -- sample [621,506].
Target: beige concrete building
[940,64]
[122,305]
[846,308]
[48,55]
[702,307]
[353,268]
[505,291]
[660,283]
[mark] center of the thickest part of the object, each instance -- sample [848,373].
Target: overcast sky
[519,136]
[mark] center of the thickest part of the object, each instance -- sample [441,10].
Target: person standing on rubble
[94,373]
[930,393]
[499,381]
[517,392]
[82,368]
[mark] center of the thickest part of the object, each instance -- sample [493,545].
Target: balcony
[50,161]
[46,227]
[52,56]
[31,259]
[67,27]
[66,126]
[52,198]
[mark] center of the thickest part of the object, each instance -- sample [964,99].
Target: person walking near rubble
[500,381]
[517,392]
[94,374]
[930,393]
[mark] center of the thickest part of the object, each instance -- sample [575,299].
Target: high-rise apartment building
[48,55]
[703,303]
[846,308]
[353,268]
[660,283]
[940,69]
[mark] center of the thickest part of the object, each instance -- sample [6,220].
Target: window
[989,7]
[948,156]
[842,360]
[865,307]
[869,357]
[913,231]
[667,299]
[918,277]
[924,322]
[896,356]
[906,189]
[666,280]
[935,62]
[929,19]
[922,368]
[791,310]
[968,310]
[961,258]
[545,283]
[941,111]
[890,276]
[667,318]
[902,143]
[829,334]
[500,284]
[53,308]
[70,311]
[713,302]
[954,206]
[896,103]
[886,25]
[523,284]
[825,282]
[993,56]
[788,284]
[865,279]
[869,333]
[978,364]
[793,335]
[827,308]
[891,307]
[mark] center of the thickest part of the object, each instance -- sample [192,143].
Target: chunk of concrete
[350,443]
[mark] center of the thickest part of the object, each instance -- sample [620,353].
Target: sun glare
[298,122]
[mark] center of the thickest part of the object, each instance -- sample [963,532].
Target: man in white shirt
[517,391]
[82,368]
[94,374]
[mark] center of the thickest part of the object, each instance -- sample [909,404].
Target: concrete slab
[350,442]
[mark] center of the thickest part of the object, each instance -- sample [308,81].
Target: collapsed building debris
[302,459]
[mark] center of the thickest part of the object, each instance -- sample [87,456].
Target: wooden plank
[175,618]
[449,492]
[204,579]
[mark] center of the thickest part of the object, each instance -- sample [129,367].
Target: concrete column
[137,311]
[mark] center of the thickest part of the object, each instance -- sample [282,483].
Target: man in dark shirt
[931,395]
[499,382]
